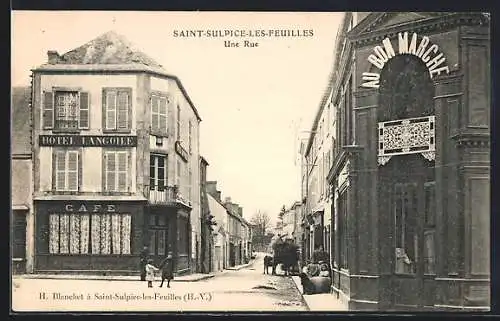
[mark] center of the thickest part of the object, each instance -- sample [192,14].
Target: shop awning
[89,198]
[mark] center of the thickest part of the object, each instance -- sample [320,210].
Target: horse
[268,262]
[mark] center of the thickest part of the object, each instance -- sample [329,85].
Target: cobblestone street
[247,289]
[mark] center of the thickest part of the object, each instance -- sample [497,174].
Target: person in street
[150,272]
[143,262]
[167,269]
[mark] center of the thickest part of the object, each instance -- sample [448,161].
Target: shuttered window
[116,167]
[116,109]
[65,110]
[66,170]
[159,114]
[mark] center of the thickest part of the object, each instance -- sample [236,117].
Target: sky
[255,103]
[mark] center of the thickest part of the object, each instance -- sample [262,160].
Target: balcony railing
[165,195]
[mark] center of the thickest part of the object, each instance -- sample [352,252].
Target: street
[247,289]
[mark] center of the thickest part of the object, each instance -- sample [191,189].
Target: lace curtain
[71,234]
[54,233]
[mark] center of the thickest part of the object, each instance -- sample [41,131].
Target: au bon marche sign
[423,49]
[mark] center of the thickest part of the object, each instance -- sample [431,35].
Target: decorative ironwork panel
[407,136]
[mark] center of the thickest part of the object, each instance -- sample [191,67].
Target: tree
[261,222]
[282,213]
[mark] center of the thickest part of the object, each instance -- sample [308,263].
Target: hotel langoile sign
[428,53]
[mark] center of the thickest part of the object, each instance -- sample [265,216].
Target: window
[189,185]
[179,174]
[183,236]
[69,234]
[71,110]
[406,238]
[111,233]
[429,229]
[67,169]
[117,109]
[347,115]
[343,229]
[102,233]
[190,137]
[158,172]
[178,122]
[116,169]
[159,114]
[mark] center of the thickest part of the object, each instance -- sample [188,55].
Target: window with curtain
[69,233]
[111,233]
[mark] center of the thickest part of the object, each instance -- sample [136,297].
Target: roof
[109,52]
[20,120]
[329,86]
[108,48]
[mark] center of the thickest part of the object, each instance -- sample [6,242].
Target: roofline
[329,86]
[203,159]
[116,68]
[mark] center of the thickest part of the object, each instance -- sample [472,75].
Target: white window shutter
[60,170]
[110,160]
[122,171]
[154,113]
[48,110]
[72,171]
[163,114]
[110,110]
[84,118]
[122,110]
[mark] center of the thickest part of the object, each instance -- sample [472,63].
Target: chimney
[53,57]
[219,196]
[240,211]
[227,200]
[211,187]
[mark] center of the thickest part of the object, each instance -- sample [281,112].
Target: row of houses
[106,161]
[396,167]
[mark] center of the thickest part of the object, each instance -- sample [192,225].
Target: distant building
[115,161]
[22,213]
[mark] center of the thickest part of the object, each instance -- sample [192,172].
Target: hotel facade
[115,161]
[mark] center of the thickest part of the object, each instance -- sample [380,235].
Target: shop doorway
[158,227]
[19,242]
[406,181]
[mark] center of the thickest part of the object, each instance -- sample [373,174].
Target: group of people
[315,277]
[148,269]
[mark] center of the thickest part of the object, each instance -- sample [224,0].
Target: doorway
[19,242]
[158,237]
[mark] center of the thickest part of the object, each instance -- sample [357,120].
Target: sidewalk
[239,267]
[320,302]
[183,278]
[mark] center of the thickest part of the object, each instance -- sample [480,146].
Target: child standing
[167,268]
[150,272]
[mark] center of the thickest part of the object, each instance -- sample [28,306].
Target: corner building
[411,179]
[115,151]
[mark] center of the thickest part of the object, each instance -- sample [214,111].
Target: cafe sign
[428,53]
[88,141]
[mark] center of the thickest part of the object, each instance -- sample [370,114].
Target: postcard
[250,161]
